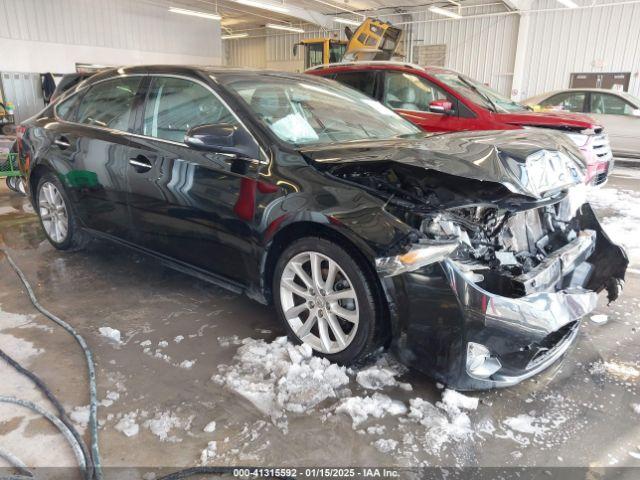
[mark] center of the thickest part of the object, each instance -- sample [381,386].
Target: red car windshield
[480,94]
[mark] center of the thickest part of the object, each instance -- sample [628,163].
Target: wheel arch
[358,249]
[36,173]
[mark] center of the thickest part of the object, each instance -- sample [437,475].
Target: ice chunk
[599,319]
[146,343]
[178,338]
[128,425]
[378,405]
[455,400]
[210,427]
[385,445]
[187,364]
[163,344]
[110,333]
[209,452]
[375,378]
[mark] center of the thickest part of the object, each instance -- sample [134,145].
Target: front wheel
[56,215]
[326,300]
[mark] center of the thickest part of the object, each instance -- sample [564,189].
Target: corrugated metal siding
[24,90]
[246,52]
[483,48]
[567,41]
[122,24]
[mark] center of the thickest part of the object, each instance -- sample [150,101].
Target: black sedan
[472,254]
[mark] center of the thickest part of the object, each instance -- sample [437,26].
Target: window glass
[109,104]
[405,91]
[315,52]
[362,81]
[315,112]
[567,101]
[66,110]
[175,105]
[607,104]
[336,52]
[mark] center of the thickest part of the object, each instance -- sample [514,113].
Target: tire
[351,297]
[52,200]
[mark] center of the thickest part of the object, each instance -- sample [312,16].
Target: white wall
[483,48]
[603,39]
[47,35]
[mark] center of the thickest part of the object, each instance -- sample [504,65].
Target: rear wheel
[56,215]
[325,300]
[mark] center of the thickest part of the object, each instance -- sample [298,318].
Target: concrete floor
[588,417]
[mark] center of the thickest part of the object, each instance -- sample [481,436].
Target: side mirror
[441,106]
[223,138]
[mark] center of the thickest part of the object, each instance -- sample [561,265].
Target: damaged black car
[473,255]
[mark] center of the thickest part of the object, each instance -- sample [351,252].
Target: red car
[442,100]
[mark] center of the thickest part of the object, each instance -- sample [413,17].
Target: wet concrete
[588,413]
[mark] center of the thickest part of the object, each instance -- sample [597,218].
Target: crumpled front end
[495,312]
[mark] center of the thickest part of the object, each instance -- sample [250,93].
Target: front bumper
[440,309]
[599,158]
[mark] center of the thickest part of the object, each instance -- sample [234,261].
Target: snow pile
[164,422]
[385,445]
[626,230]
[110,333]
[128,425]
[279,377]
[382,375]
[377,406]
[615,370]
[209,452]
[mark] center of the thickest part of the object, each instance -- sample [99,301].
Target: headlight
[578,138]
[418,257]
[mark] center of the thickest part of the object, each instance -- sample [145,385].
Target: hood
[559,120]
[534,162]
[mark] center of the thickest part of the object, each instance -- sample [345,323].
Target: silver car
[617,112]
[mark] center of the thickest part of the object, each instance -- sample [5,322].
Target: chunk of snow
[378,405]
[164,422]
[228,341]
[187,364]
[209,452]
[455,400]
[600,319]
[128,425]
[110,333]
[210,427]
[375,378]
[524,423]
[163,344]
[178,338]
[146,343]
[277,377]
[385,445]
[611,368]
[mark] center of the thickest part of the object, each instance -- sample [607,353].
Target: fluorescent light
[264,5]
[231,36]
[346,21]
[568,3]
[287,28]
[445,12]
[211,16]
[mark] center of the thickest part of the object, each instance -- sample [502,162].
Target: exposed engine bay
[509,244]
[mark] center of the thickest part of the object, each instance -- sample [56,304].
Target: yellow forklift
[372,40]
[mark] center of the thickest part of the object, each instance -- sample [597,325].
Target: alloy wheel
[53,212]
[319,302]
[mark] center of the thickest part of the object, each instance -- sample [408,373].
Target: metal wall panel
[603,39]
[483,48]
[122,24]
[245,52]
[24,90]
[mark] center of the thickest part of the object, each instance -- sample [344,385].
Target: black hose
[64,418]
[93,395]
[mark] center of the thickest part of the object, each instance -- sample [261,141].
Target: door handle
[140,163]
[62,143]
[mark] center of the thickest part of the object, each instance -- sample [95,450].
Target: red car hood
[547,119]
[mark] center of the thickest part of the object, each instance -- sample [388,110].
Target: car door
[410,95]
[192,206]
[92,141]
[621,124]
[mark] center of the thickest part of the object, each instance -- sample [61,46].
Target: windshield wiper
[479,92]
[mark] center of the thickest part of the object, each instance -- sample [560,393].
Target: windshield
[630,98]
[306,113]
[480,94]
